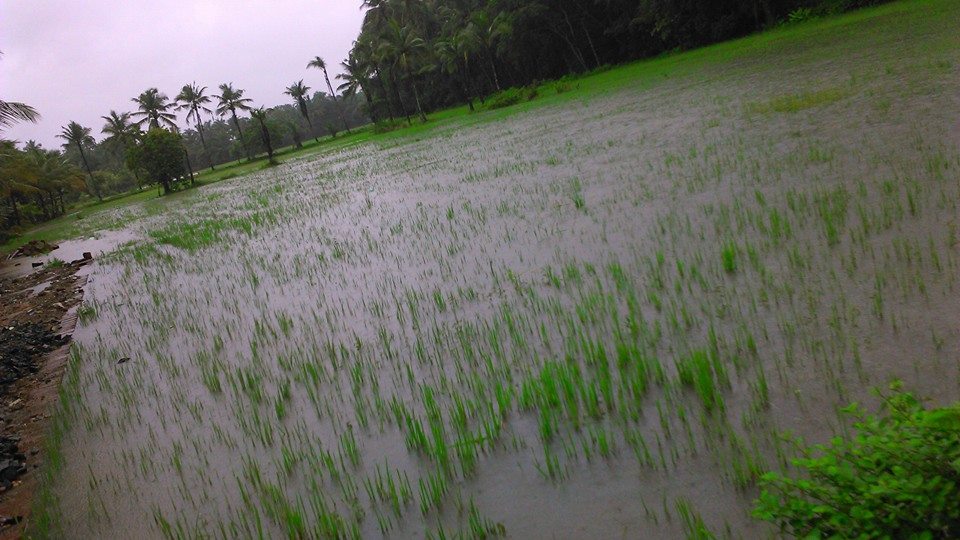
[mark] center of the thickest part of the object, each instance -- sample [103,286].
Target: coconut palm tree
[12,112]
[298,91]
[231,100]
[16,176]
[355,78]
[367,55]
[318,63]
[482,34]
[79,136]
[401,46]
[119,129]
[192,99]
[154,108]
[53,177]
[450,57]
[121,133]
[260,115]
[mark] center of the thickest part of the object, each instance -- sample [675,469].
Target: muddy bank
[37,316]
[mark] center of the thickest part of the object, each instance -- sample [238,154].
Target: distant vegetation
[411,57]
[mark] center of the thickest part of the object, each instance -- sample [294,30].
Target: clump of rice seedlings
[433,490]
[728,256]
[694,527]
[695,370]
[832,208]
[86,312]
[576,194]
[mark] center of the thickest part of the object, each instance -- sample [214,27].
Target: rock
[87,255]
[6,521]
[10,470]
[34,247]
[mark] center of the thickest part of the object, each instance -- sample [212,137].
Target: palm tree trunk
[236,123]
[416,97]
[569,39]
[203,143]
[386,95]
[93,183]
[396,91]
[186,155]
[306,114]
[464,77]
[366,95]
[493,69]
[265,134]
[336,102]
[16,211]
[593,49]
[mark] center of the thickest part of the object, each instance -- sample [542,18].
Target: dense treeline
[35,184]
[416,55]
[287,124]
[146,146]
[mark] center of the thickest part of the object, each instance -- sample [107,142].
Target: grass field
[594,314]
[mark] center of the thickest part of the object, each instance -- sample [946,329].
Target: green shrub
[511,96]
[385,126]
[800,15]
[897,477]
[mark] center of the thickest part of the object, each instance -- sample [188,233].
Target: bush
[386,126]
[161,154]
[800,15]
[511,96]
[897,478]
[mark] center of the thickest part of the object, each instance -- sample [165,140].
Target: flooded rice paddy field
[591,319]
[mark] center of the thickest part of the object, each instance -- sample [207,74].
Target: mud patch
[20,346]
[37,312]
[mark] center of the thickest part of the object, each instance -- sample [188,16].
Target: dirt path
[37,318]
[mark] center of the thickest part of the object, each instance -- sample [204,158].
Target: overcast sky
[78,59]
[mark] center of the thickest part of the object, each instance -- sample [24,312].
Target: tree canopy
[161,154]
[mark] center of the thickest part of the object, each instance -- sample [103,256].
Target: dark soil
[34,248]
[19,348]
[35,326]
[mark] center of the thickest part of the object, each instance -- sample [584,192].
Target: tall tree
[192,99]
[260,115]
[15,180]
[231,100]
[355,79]
[160,153]
[53,177]
[79,136]
[298,91]
[318,63]
[121,133]
[402,47]
[153,107]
